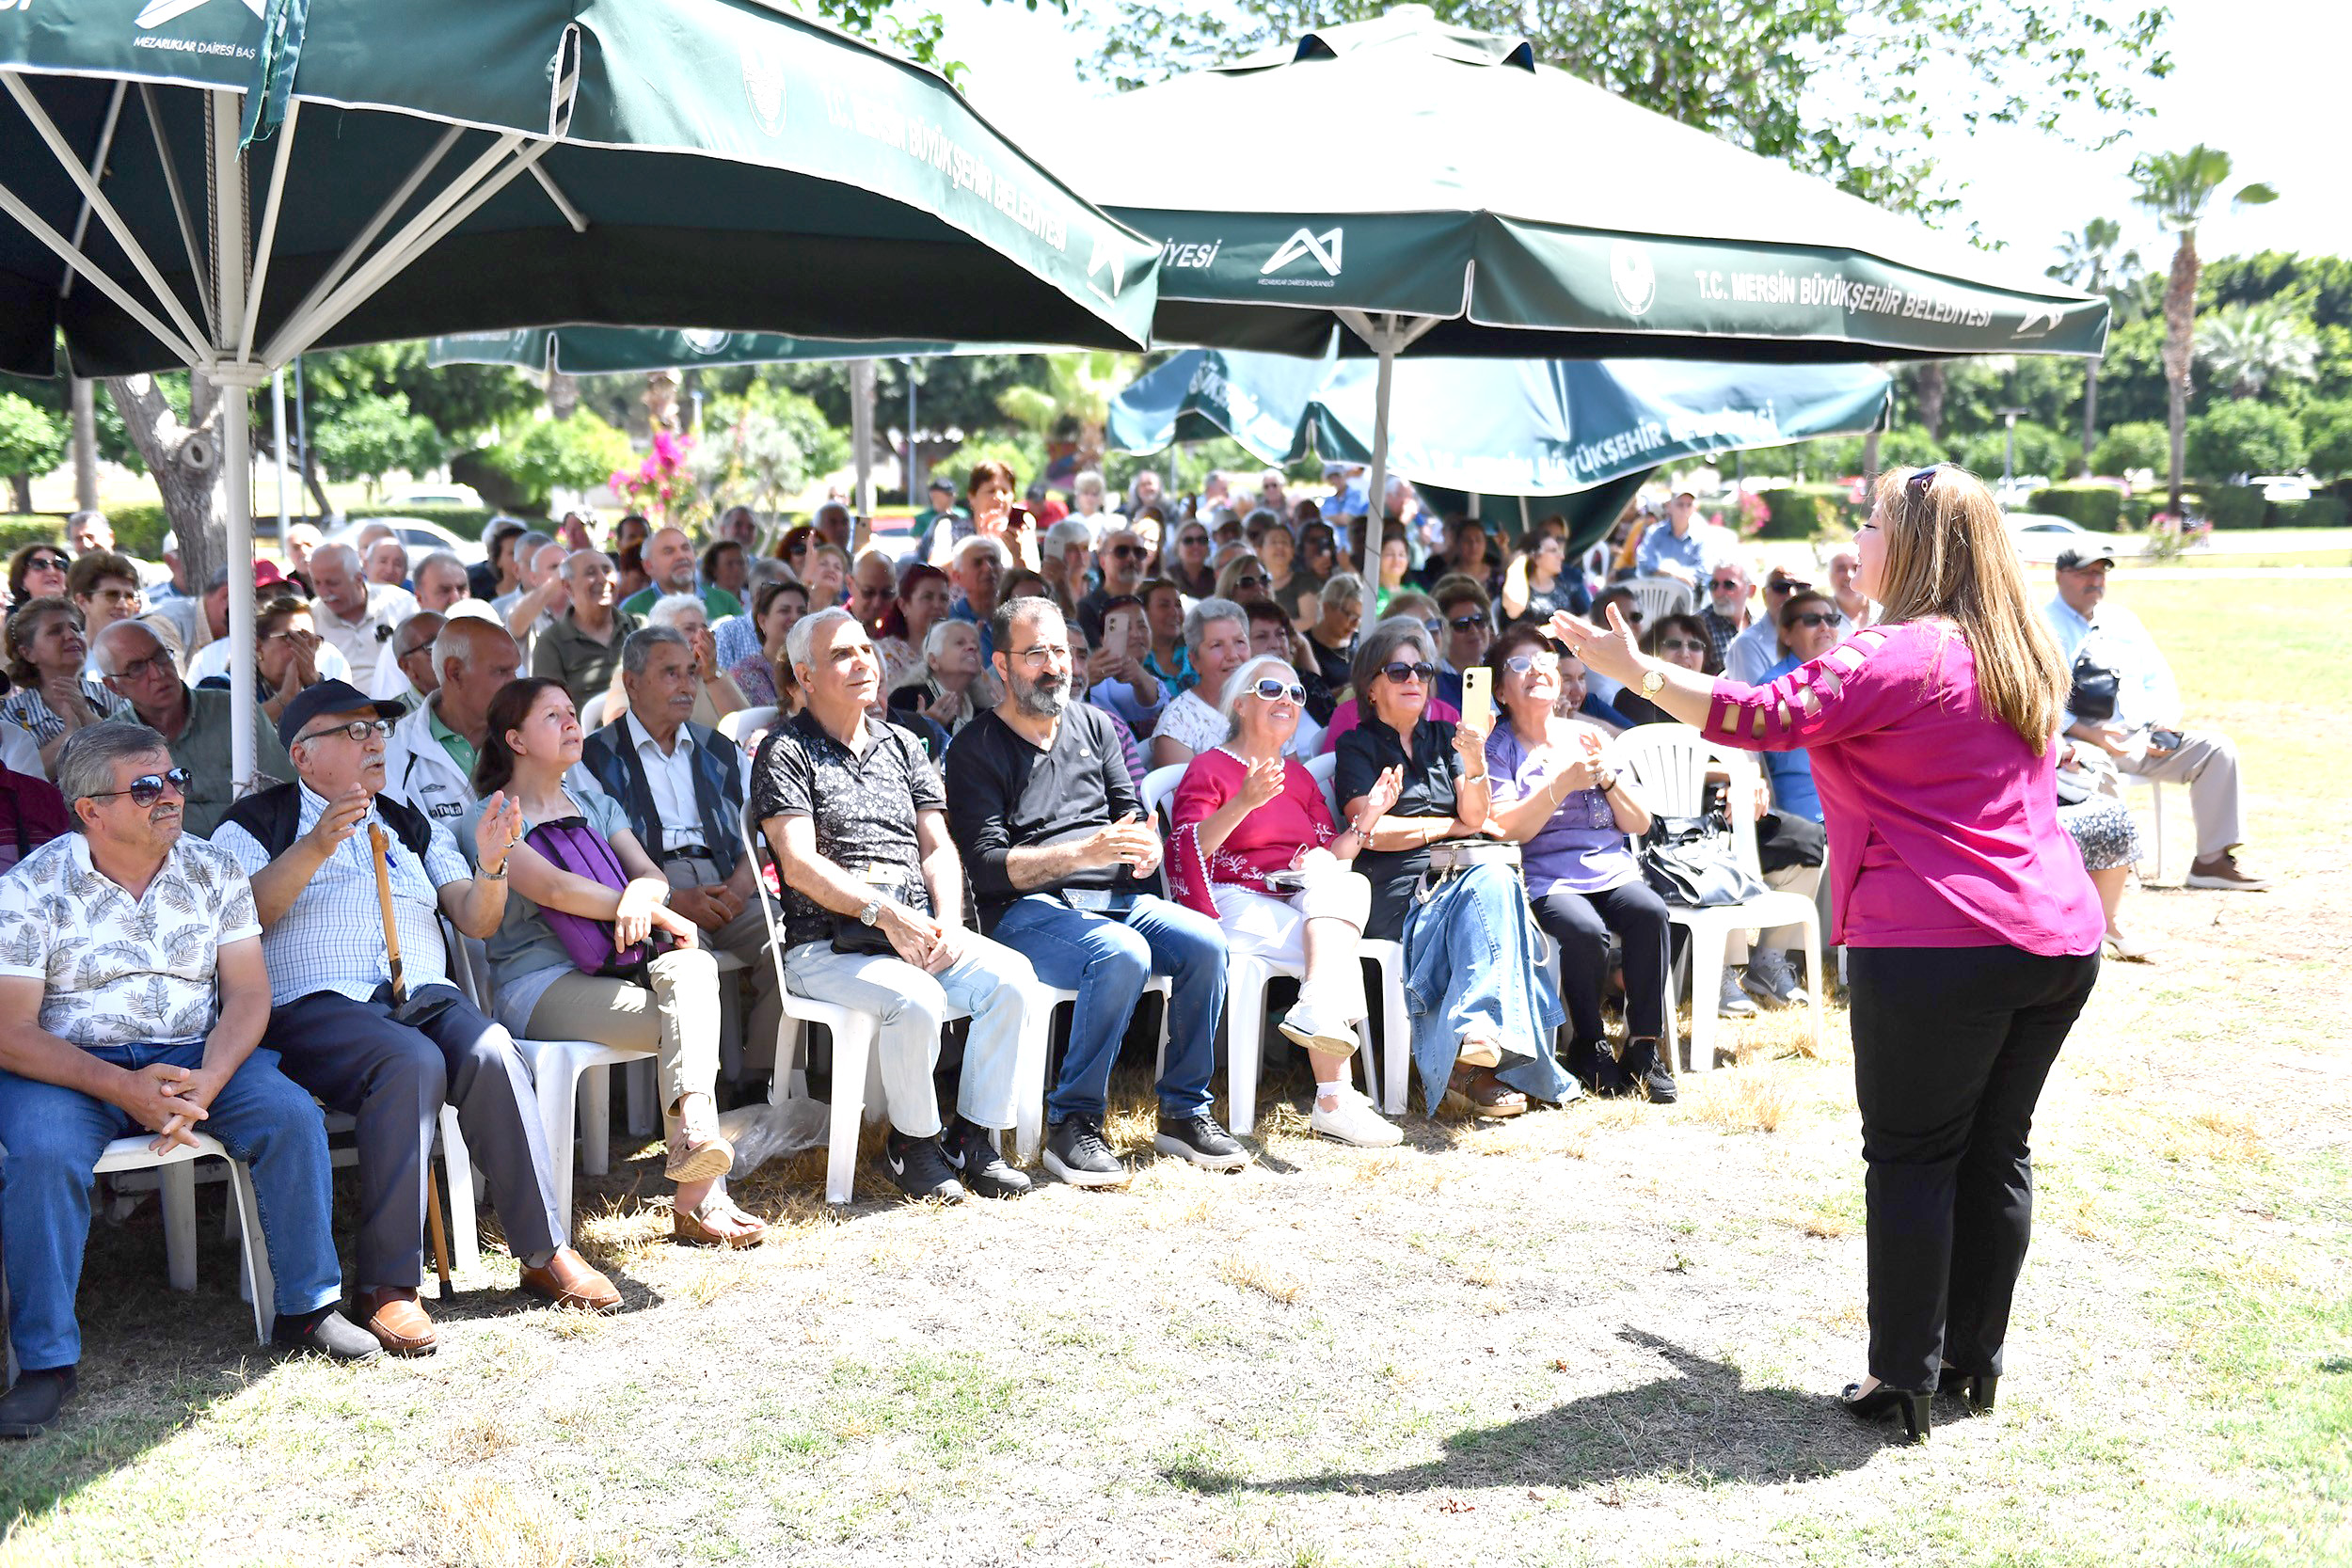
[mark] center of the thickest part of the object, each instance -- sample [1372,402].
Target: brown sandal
[692,1227]
[1476,1091]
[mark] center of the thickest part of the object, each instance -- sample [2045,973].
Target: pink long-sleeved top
[1943,824]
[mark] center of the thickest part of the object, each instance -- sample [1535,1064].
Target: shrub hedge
[1807,511]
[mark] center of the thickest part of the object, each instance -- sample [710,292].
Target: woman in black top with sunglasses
[37,572]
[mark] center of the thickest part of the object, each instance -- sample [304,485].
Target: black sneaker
[920,1168]
[1201,1140]
[1076,1153]
[1595,1067]
[974,1157]
[32,1406]
[1646,1070]
[324,1332]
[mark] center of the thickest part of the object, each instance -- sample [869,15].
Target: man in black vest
[385,1043]
[682,786]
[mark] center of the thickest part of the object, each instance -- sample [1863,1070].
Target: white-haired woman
[1332,641]
[716,694]
[1253,845]
[948,690]
[1216,641]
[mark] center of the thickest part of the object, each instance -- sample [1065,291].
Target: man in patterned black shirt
[873,899]
[114,942]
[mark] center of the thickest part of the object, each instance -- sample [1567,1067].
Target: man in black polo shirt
[873,899]
[1040,802]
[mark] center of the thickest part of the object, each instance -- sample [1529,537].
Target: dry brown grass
[1743,1100]
[474,1522]
[2216,1133]
[1252,1274]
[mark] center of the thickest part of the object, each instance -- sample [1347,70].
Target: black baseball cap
[2075,561]
[329,697]
[947,485]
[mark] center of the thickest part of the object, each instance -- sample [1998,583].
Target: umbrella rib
[71,255]
[179,204]
[63,152]
[443,214]
[269,228]
[352,252]
[97,164]
[573,215]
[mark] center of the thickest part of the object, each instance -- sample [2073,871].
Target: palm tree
[2248,346]
[1077,395]
[2175,186]
[2087,261]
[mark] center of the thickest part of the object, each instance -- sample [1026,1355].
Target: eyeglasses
[1786,585]
[1721,584]
[1192,541]
[1679,645]
[1520,664]
[117,596]
[148,788]
[1464,623]
[287,635]
[1816,618]
[358,729]
[157,663]
[1401,671]
[1043,653]
[1272,690]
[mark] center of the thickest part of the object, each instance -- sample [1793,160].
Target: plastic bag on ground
[765,1132]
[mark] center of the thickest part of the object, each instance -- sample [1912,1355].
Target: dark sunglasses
[1781,585]
[1250,582]
[1722,583]
[1401,671]
[1918,485]
[1816,618]
[1127,552]
[1464,623]
[1192,541]
[46,563]
[148,788]
[1271,689]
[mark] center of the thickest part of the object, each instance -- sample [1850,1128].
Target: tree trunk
[1931,384]
[184,461]
[2180,343]
[2090,411]
[20,492]
[84,405]
[1870,465]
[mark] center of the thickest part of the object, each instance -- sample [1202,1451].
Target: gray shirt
[526,955]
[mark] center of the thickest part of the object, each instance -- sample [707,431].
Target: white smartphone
[1478,696]
[1115,638]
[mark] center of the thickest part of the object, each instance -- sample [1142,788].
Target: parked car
[421,537]
[2041,537]
[431,494]
[2284,487]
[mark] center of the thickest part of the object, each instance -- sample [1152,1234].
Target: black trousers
[1951,1046]
[393,1076]
[1580,924]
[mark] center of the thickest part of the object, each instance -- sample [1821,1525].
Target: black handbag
[1690,862]
[2092,697]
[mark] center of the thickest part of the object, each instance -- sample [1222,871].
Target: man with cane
[363,1012]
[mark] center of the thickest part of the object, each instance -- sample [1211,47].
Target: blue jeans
[54,1138]
[1469,964]
[1108,959]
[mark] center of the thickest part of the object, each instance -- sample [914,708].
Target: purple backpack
[571,845]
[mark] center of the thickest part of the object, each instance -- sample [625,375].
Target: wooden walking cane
[377,847]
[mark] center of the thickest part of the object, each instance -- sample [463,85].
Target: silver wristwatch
[872,912]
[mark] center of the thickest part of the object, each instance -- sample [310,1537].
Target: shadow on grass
[1701,1422]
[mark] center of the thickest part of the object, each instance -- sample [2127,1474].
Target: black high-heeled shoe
[1879,1400]
[1976,1388]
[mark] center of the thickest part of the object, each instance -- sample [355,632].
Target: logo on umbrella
[706,343]
[160,11]
[1324,248]
[763,87]
[2051,318]
[1632,276]
[1105,259]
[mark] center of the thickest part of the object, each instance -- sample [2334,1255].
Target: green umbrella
[444,165]
[621,349]
[1496,427]
[1462,198]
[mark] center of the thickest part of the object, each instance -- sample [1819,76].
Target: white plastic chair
[575,1093]
[592,714]
[1670,760]
[176,1190]
[2150,868]
[1660,597]
[465,1229]
[1388,958]
[746,720]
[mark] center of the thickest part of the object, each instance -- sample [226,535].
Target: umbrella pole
[862,432]
[236,379]
[1376,486]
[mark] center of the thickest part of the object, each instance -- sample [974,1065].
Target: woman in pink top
[1973,931]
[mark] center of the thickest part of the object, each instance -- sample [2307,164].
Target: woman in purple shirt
[1556,794]
[1971,930]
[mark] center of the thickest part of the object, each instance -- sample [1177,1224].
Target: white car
[432,495]
[2283,487]
[2041,537]
[421,537]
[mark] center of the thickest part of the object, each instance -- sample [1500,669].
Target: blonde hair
[1949,557]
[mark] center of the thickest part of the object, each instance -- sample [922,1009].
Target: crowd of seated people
[950,793]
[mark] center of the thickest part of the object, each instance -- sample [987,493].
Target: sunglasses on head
[1273,691]
[148,788]
[1402,672]
[1520,664]
[1918,485]
[1816,618]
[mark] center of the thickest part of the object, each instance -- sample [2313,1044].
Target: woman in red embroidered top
[1252,845]
[1973,931]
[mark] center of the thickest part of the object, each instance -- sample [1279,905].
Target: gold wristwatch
[1653,683]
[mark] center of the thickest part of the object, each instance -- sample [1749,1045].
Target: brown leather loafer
[568,1281]
[397,1319]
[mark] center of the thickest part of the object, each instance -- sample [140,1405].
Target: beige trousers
[676,1018]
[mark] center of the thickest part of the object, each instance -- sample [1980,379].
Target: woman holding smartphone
[1972,931]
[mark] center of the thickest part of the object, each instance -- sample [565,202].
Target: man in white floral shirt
[115,940]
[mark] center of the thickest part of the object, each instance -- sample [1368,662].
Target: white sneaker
[1734,1001]
[1311,1027]
[1352,1119]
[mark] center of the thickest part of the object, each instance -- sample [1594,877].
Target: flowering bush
[663,486]
[1747,517]
[2170,537]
